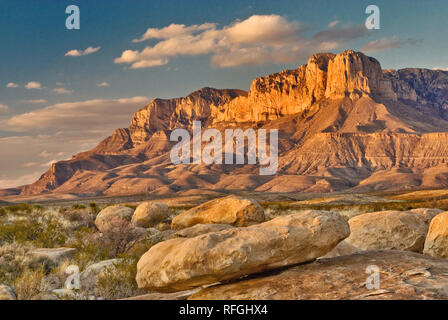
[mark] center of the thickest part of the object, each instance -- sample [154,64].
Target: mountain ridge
[344,124]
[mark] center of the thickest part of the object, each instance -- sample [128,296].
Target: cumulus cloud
[12,85]
[103,84]
[54,133]
[35,101]
[80,53]
[62,91]
[388,43]
[19,181]
[4,108]
[33,85]
[107,114]
[256,40]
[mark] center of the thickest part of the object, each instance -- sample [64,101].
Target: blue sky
[35,42]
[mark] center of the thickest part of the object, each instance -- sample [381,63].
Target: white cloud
[256,40]
[12,85]
[48,164]
[62,91]
[79,53]
[76,117]
[388,43]
[20,181]
[4,108]
[36,101]
[30,164]
[103,84]
[33,85]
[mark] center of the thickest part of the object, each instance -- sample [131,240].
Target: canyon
[344,124]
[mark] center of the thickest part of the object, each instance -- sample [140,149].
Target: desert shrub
[118,282]
[88,247]
[28,286]
[19,208]
[13,260]
[2,212]
[119,237]
[77,206]
[44,232]
[94,207]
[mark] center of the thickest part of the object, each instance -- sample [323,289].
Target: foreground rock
[182,264]
[200,229]
[149,214]
[436,243]
[53,255]
[89,277]
[181,295]
[108,217]
[403,275]
[391,230]
[6,293]
[231,210]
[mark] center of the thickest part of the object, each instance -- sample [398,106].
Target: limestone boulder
[436,243]
[390,230]
[231,210]
[182,264]
[109,216]
[200,229]
[149,214]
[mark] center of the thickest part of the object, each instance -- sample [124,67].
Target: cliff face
[343,123]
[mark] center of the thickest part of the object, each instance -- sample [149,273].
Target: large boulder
[231,210]
[109,216]
[149,214]
[200,229]
[182,264]
[6,293]
[436,243]
[402,276]
[399,230]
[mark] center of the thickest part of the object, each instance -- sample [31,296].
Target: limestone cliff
[344,123]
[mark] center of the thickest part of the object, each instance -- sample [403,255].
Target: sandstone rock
[436,243]
[105,219]
[231,210]
[403,275]
[182,264]
[399,230]
[6,293]
[428,213]
[54,255]
[200,229]
[149,214]
[342,249]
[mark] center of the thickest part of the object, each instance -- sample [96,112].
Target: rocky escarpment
[343,123]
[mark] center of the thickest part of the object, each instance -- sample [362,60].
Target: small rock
[231,210]
[54,255]
[149,214]
[89,277]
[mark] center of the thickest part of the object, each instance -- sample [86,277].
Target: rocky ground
[356,246]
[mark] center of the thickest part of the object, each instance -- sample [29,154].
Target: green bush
[77,206]
[19,208]
[2,212]
[46,233]
[94,207]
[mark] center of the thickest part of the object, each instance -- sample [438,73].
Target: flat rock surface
[402,275]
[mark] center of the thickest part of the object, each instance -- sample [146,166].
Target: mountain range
[344,124]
